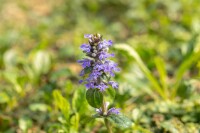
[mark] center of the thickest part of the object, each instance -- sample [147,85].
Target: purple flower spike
[97,66]
[98,69]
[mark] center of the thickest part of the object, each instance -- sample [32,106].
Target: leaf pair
[95,99]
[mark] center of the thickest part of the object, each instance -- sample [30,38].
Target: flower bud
[106,49]
[99,35]
[90,41]
[93,55]
[95,51]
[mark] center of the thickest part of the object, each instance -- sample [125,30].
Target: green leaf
[13,78]
[185,65]
[143,67]
[160,65]
[94,98]
[4,98]
[74,123]
[79,101]
[97,115]
[91,119]
[120,120]
[61,103]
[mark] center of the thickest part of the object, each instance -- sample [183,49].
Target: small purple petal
[102,87]
[105,44]
[95,74]
[103,55]
[109,42]
[114,111]
[99,66]
[87,35]
[86,48]
[82,73]
[90,85]
[80,81]
[112,55]
[114,84]
[85,62]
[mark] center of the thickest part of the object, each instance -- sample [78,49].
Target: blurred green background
[157,46]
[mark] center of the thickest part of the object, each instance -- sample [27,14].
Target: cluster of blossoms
[97,68]
[98,64]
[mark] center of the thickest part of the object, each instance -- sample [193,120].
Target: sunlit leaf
[61,103]
[4,97]
[143,67]
[79,101]
[120,120]
[39,107]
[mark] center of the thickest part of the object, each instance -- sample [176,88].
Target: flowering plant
[97,73]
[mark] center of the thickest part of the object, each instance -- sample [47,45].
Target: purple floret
[105,44]
[87,35]
[86,48]
[103,55]
[114,84]
[114,111]
[94,75]
[102,87]
[110,67]
[85,62]
[90,85]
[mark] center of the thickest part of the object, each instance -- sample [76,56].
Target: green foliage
[79,101]
[187,63]
[158,55]
[62,104]
[120,120]
[141,64]
[110,94]
[94,97]
[164,90]
[161,67]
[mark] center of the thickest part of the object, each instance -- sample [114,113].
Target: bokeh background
[39,49]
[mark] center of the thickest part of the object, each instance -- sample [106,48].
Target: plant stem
[108,126]
[107,123]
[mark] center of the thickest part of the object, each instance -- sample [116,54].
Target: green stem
[108,125]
